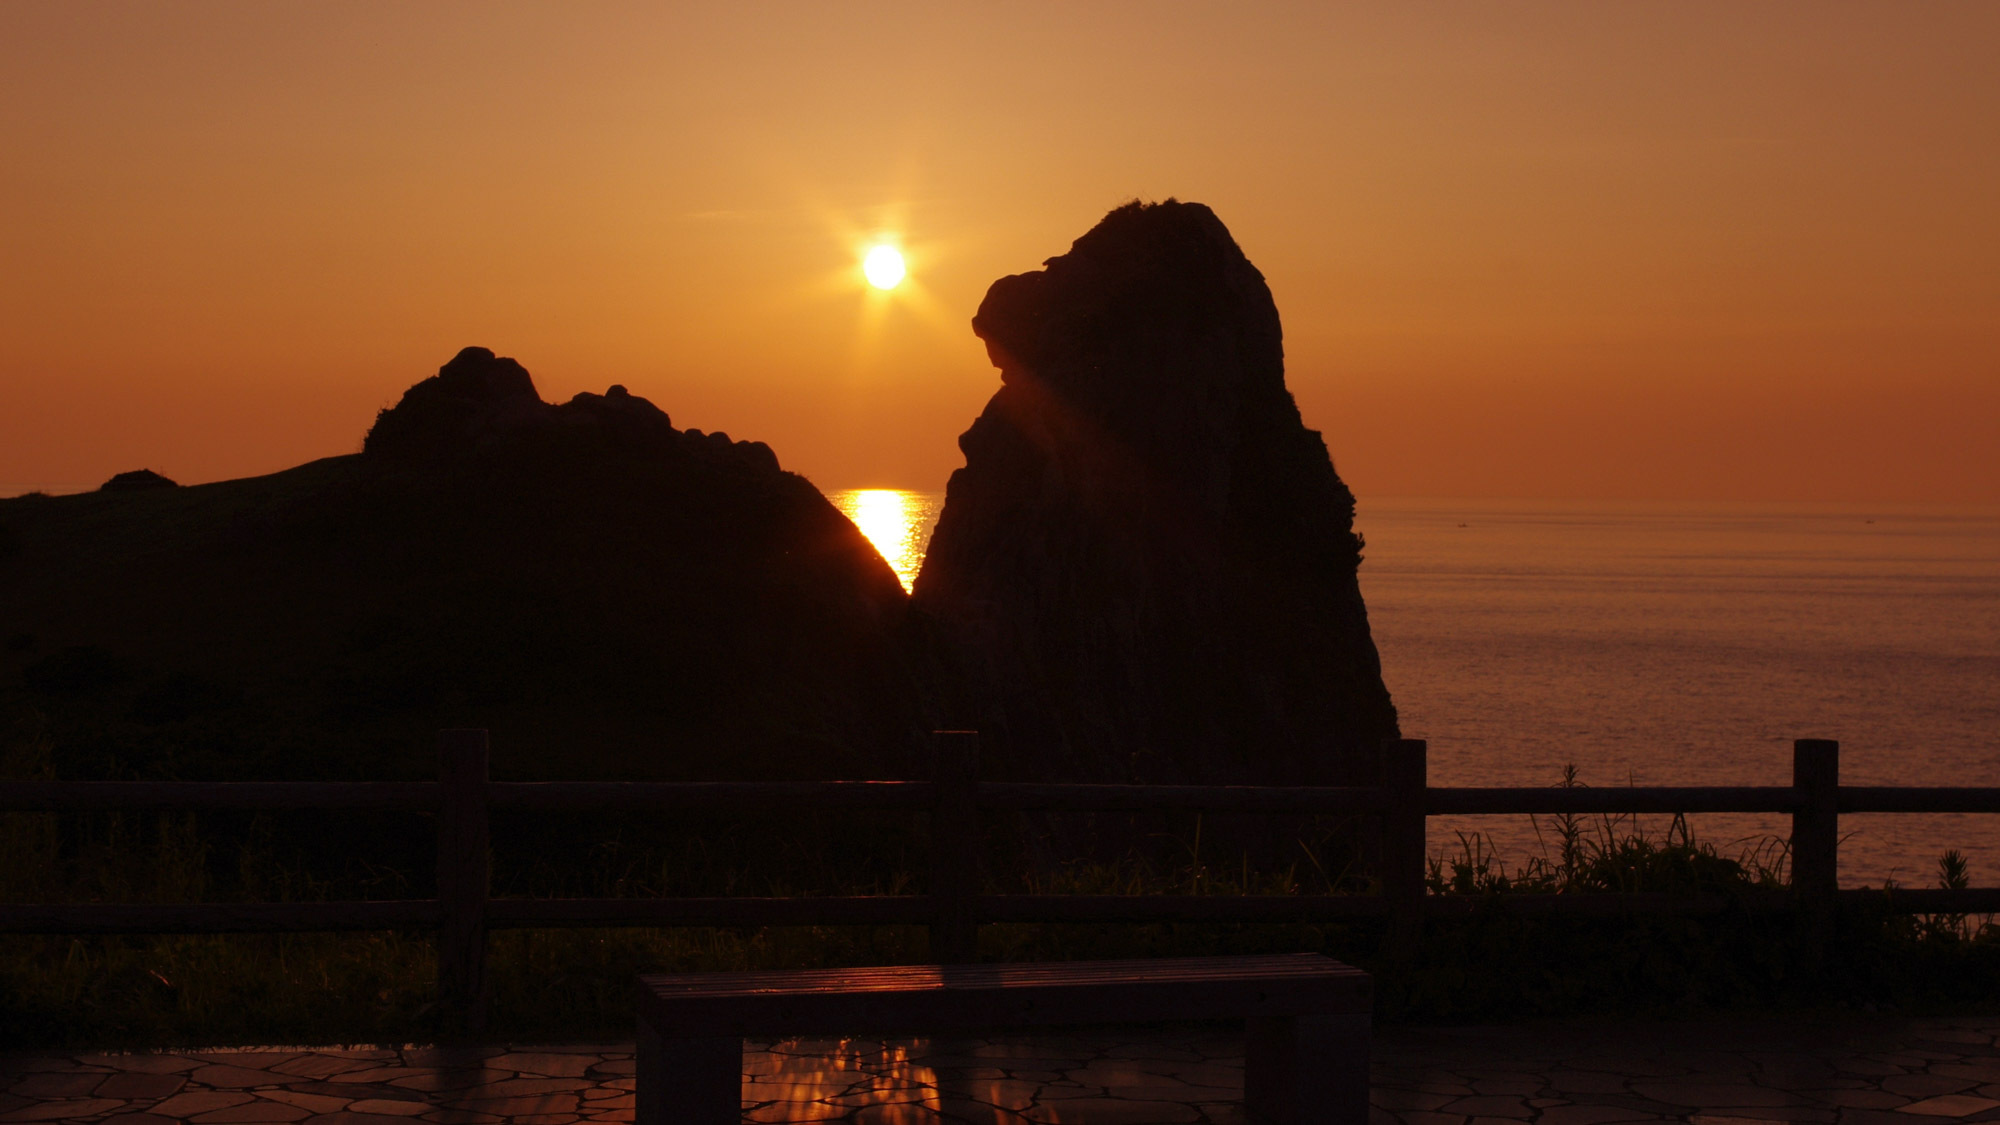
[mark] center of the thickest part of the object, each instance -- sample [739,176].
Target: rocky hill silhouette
[612,595]
[136,480]
[1147,567]
[1146,571]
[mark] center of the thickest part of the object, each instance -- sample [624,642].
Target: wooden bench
[1307,1017]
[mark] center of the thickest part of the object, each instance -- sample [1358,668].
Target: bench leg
[1309,1070]
[688,1081]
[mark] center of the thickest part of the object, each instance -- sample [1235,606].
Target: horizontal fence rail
[116,796]
[217,917]
[910,910]
[856,910]
[425,796]
[1930,799]
[1305,799]
[705,796]
[1636,799]
[463,796]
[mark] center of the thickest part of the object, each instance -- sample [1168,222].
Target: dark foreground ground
[1818,1069]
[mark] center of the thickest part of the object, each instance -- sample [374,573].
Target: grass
[1610,854]
[574,984]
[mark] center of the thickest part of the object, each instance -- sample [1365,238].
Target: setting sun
[884,267]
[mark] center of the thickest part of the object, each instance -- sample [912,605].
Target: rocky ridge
[610,594]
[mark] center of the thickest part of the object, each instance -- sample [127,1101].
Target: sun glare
[884,267]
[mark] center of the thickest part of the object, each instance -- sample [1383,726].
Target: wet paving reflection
[1834,1069]
[1052,1081]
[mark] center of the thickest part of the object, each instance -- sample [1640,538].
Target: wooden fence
[463,796]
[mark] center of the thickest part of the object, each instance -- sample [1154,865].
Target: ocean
[1674,644]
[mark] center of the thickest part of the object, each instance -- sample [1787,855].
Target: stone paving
[1858,1070]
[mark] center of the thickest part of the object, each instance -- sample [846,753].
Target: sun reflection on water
[896,521]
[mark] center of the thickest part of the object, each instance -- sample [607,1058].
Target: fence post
[1816,833]
[1405,777]
[463,879]
[955,836]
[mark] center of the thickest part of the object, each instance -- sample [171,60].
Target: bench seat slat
[929,998]
[1282,966]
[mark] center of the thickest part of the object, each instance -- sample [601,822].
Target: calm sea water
[1681,645]
[1675,645]
[899,523]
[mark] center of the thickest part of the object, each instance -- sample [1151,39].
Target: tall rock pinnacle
[1147,566]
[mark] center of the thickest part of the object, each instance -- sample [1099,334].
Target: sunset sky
[1672,251]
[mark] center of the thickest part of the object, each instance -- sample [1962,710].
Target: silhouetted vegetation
[550,984]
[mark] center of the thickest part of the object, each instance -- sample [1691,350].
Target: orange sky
[1580,250]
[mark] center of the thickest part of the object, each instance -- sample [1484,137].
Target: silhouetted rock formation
[479,402]
[611,595]
[475,397]
[1147,559]
[138,480]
